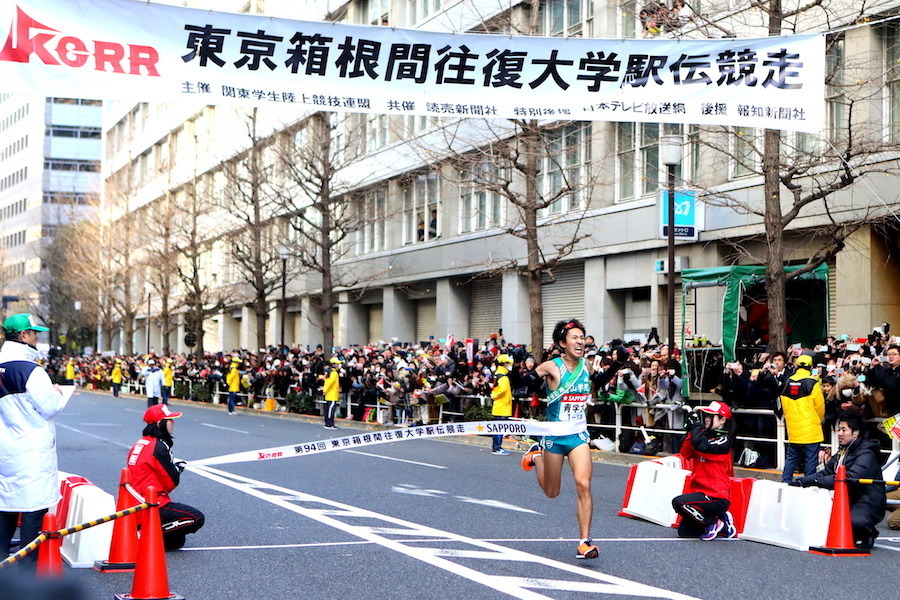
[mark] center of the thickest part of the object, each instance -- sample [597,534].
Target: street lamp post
[284,252]
[670,155]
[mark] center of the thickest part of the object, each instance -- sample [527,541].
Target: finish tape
[531,428]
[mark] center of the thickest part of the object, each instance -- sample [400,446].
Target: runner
[568,380]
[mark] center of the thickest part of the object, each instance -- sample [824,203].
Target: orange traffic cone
[840,531]
[151,582]
[124,547]
[49,562]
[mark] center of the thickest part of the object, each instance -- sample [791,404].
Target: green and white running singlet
[567,403]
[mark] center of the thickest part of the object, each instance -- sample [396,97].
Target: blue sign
[688,215]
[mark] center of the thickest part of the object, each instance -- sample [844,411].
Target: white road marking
[97,437]
[394,531]
[275,546]
[412,490]
[329,512]
[403,460]
[225,428]
[496,504]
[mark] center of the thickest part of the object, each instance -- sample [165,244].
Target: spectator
[859,455]
[886,379]
[332,391]
[153,383]
[233,380]
[28,403]
[168,380]
[116,378]
[501,395]
[804,411]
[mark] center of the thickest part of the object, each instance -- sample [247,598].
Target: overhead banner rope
[530,428]
[148,52]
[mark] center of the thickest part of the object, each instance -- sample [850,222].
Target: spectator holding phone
[885,378]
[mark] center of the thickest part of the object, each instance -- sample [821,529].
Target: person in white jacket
[29,481]
[153,382]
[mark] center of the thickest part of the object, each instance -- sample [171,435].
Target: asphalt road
[419,519]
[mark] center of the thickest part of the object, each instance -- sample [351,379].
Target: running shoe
[587,550]
[500,452]
[712,530]
[528,459]
[728,529]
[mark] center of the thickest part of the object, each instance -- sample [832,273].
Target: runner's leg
[582,467]
[548,467]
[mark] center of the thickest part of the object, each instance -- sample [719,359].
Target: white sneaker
[500,452]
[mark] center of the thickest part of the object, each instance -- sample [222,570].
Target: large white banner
[135,50]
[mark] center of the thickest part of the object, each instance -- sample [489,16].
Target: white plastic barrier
[87,503]
[790,517]
[654,487]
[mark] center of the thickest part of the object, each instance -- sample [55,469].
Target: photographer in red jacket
[704,510]
[151,463]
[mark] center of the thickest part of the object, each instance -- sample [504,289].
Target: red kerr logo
[28,38]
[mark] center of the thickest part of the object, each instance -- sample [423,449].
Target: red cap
[159,412]
[717,408]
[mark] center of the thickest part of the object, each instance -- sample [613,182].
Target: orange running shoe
[528,459]
[587,550]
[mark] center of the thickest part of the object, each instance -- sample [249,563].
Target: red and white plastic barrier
[790,517]
[82,502]
[650,489]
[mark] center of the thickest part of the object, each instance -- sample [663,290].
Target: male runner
[568,380]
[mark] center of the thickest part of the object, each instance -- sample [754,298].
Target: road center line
[225,428]
[403,460]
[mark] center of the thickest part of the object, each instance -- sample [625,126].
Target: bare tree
[322,208]
[805,176]
[254,242]
[529,165]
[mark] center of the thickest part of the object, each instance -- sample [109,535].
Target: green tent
[736,280]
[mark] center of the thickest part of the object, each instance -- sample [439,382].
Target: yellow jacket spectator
[116,378]
[233,381]
[332,387]
[804,408]
[332,390]
[168,375]
[70,371]
[501,394]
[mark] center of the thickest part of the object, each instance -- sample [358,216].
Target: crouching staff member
[151,464]
[704,509]
[859,455]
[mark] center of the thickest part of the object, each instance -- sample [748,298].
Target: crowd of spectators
[411,381]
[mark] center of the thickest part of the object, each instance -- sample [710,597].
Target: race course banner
[141,51]
[530,428]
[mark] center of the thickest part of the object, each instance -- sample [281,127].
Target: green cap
[21,322]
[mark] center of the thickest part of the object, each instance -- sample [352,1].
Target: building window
[379,12]
[565,166]
[744,151]
[561,18]
[480,207]
[376,132]
[637,157]
[419,10]
[374,212]
[890,35]
[421,208]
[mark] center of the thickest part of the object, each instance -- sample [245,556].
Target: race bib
[573,407]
